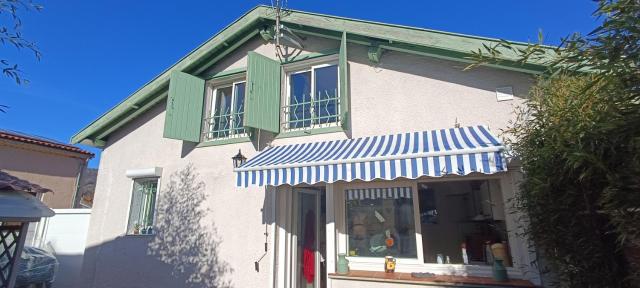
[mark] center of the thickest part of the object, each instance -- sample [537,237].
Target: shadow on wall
[124,262]
[182,253]
[68,268]
[182,240]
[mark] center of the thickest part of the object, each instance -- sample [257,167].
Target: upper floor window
[312,97]
[225,110]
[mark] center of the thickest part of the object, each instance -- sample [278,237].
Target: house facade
[48,163]
[364,140]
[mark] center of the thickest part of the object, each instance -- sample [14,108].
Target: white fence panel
[64,234]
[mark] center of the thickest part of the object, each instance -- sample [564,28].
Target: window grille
[312,112]
[226,113]
[224,125]
[143,205]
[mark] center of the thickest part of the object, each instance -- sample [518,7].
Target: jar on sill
[343,264]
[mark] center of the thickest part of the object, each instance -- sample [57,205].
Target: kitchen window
[225,111]
[143,205]
[462,222]
[312,97]
[459,222]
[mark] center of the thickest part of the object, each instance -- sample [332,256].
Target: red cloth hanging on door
[308,254]
[308,267]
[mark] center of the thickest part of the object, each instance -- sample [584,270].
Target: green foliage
[10,26]
[10,34]
[578,137]
[580,156]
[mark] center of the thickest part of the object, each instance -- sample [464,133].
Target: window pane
[463,214]
[238,108]
[134,211]
[222,114]
[300,100]
[381,227]
[326,100]
[142,211]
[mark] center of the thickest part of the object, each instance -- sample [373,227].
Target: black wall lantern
[238,160]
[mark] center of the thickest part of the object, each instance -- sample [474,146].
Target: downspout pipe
[75,202]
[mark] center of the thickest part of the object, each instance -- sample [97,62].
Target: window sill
[414,265]
[439,280]
[140,235]
[224,141]
[315,131]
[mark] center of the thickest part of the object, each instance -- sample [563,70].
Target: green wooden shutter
[262,101]
[344,82]
[183,118]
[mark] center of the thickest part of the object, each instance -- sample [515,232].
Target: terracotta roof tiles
[37,140]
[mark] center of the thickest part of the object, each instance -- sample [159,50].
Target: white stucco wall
[403,93]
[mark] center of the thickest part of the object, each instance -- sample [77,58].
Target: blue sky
[95,53]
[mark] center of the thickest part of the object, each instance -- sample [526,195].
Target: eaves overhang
[431,43]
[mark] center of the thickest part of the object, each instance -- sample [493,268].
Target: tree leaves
[578,137]
[13,72]
[10,35]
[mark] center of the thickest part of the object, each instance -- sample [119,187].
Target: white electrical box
[504,93]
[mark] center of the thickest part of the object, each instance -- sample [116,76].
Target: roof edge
[78,137]
[42,142]
[484,38]
[156,86]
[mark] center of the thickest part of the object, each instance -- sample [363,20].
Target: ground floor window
[143,204]
[462,222]
[380,222]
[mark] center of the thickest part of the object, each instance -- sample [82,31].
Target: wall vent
[504,93]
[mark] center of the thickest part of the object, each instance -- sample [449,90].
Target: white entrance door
[301,239]
[309,239]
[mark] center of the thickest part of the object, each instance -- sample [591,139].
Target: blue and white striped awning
[435,153]
[379,193]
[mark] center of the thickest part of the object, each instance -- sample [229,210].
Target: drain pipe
[81,167]
[274,238]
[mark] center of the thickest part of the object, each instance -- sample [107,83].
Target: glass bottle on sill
[465,258]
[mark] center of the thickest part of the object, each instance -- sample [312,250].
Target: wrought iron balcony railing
[319,111]
[224,125]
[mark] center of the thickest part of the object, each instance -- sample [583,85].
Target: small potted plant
[136,228]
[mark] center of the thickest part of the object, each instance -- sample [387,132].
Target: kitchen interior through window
[461,222]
